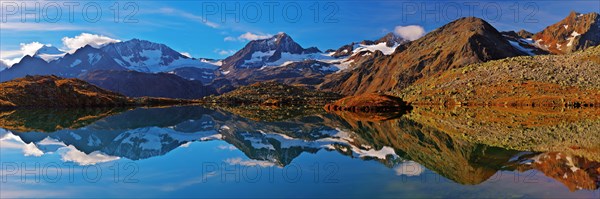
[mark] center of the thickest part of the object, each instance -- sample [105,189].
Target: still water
[201,152]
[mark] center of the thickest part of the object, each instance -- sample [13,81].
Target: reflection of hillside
[456,159]
[147,117]
[272,113]
[574,172]
[283,140]
[568,130]
[49,120]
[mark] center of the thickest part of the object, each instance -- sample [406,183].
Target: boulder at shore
[368,103]
[369,107]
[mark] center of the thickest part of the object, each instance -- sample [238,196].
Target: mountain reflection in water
[438,140]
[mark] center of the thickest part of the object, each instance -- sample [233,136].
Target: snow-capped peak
[146,56]
[49,53]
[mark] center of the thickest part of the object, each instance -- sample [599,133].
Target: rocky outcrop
[523,34]
[575,32]
[368,103]
[369,107]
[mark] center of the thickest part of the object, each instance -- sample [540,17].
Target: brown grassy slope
[53,91]
[549,80]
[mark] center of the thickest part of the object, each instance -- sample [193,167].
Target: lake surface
[200,152]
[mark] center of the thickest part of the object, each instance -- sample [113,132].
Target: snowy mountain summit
[259,53]
[145,56]
[49,53]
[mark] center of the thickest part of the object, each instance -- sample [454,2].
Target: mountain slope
[27,66]
[575,32]
[545,80]
[137,84]
[456,44]
[309,73]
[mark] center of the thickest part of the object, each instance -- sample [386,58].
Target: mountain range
[133,55]
[387,64]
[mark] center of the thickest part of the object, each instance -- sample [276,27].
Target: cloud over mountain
[96,41]
[411,32]
[248,36]
[11,57]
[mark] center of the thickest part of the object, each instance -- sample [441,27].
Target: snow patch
[75,63]
[572,38]
[521,48]
[377,47]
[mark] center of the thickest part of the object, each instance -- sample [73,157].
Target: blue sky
[210,29]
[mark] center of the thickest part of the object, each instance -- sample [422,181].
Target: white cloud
[186,54]
[190,16]
[224,52]
[11,57]
[31,48]
[251,36]
[227,147]
[229,38]
[3,65]
[96,41]
[248,36]
[411,32]
[249,163]
[409,168]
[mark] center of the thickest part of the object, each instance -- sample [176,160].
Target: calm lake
[192,151]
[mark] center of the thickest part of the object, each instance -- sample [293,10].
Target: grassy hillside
[546,80]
